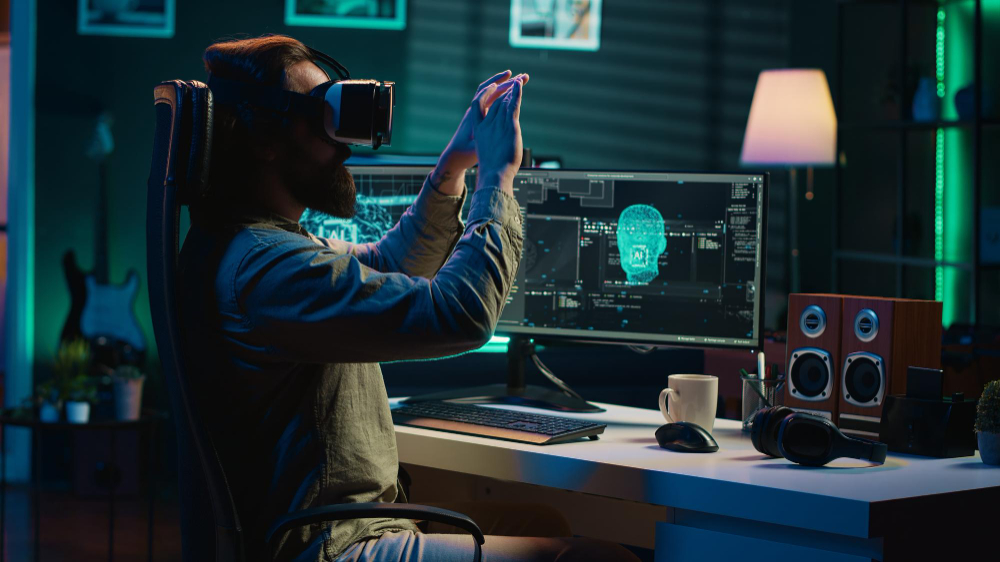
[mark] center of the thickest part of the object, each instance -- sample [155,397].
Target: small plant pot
[48,412]
[989,447]
[77,412]
[128,398]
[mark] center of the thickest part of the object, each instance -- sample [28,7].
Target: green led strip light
[957,32]
[497,344]
[939,166]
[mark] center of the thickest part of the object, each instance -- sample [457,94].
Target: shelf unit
[902,129]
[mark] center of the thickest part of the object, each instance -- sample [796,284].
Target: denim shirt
[286,332]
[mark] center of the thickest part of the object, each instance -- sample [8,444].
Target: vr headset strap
[331,62]
[232,92]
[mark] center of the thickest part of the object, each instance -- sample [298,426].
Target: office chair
[210,526]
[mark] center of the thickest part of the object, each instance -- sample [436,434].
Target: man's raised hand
[460,154]
[498,140]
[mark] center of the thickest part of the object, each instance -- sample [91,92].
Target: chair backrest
[179,171]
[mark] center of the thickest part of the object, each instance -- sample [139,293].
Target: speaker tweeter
[813,321]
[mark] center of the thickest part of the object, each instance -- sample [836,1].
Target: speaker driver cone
[864,379]
[810,374]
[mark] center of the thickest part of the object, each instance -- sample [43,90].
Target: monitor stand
[515,392]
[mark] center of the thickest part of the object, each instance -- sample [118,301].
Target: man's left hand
[460,154]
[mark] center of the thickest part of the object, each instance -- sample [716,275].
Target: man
[286,330]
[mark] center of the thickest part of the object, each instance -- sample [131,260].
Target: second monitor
[640,257]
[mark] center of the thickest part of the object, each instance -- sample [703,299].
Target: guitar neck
[101,235]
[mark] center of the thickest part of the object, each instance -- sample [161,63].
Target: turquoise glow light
[497,344]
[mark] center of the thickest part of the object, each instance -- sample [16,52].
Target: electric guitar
[100,312]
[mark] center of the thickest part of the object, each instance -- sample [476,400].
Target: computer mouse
[686,437]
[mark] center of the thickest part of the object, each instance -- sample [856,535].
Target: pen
[756,387]
[762,375]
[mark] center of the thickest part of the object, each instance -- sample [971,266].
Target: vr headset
[807,439]
[347,111]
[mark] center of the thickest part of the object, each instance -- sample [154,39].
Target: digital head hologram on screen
[641,240]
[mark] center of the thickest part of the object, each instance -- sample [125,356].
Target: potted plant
[71,363]
[47,401]
[81,394]
[127,381]
[988,423]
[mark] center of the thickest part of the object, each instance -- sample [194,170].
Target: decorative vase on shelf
[77,412]
[926,106]
[48,412]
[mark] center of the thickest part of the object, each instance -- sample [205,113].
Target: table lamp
[792,123]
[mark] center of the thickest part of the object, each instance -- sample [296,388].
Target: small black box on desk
[927,424]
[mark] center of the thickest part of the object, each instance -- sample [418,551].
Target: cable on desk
[552,377]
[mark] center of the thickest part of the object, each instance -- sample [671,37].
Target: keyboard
[497,423]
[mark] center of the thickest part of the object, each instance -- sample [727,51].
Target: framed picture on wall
[556,24]
[367,14]
[126,18]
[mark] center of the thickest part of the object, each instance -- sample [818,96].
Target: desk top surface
[627,463]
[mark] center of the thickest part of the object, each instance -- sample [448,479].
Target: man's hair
[260,60]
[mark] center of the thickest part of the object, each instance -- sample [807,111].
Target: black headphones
[807,439]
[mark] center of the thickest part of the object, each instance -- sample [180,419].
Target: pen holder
[759,394]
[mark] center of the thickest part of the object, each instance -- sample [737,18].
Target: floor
[76,528]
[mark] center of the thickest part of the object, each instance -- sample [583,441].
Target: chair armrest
[364,510]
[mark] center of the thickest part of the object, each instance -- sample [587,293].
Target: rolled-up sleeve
[298,300]
[420,242]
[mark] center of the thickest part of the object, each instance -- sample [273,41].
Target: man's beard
[330,191]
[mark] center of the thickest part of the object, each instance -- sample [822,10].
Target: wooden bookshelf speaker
[880,339]
[813,354]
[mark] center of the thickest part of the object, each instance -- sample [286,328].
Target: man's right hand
[498,141]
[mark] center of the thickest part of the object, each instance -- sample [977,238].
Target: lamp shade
[792,121]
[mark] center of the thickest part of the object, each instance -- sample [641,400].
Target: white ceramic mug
[692,398]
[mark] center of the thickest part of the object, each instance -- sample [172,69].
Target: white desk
[736,503]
